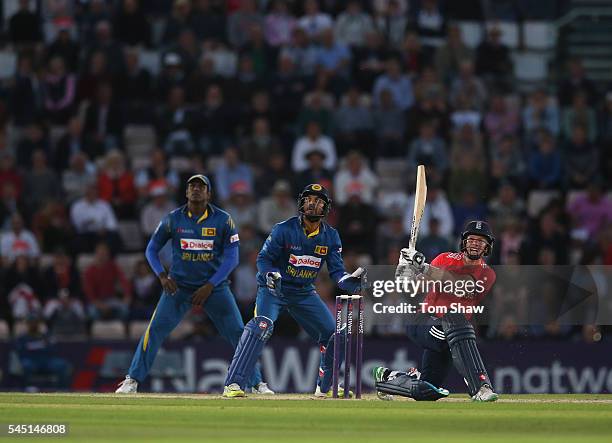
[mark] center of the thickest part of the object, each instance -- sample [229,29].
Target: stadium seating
[108,330]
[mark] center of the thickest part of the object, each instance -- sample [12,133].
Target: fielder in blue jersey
[288,265]
[205,247]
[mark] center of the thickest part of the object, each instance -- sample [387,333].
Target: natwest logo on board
[305,260]
[193,244]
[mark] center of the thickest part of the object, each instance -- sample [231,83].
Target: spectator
[188,49]
[279,24]
[276,208]
[257,147]
[275,168]
[506,207]
[437,207]
[34,138]
[24,26]
[18,241]
[369,61]
[287,90]
[579,114]
[66,48]
[9,205]
[172,74]
[175,121]
[65,316]
[131,25]
[313,141]
[159,173]
[302,52]
[98,11]
[26,96]
[203,76]
[576,81]
[500,120]
[317,107]
[154,211]
[241,20]
[467,141]
[208,20]
[38,354]
[10,174]
[581,159]
[80,175]
[390,236]
[74,142]
[467,84]
[116,185]
[104,119]
[215,119]
[398,83]
[315,172]
[94,220]
[41,184]
[546,234]
[103,41]
[134,85]
[449,56]
[591,212]
[355,178]
[232,172]
[540,113]
[107,290]
[391,21]
[429,150]
[353,121]
[430,108]
[314,22]
[96,73]
[507,163]
[469,207]
[24,287]
[413,57]
[353,24]
[60,275]
[146,290]
[356,224]
[433,244]
[333,61]
[430,23]
[390,126]
[493,62]
[545,167]
[59,91]
[182,18]
[241,204]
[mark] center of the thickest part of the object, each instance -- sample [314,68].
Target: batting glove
[273,282]
[411,262]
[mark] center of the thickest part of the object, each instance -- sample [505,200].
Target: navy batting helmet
[481,228]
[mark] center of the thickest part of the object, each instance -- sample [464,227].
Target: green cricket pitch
[295,418]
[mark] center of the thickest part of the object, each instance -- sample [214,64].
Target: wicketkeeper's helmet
[319,191]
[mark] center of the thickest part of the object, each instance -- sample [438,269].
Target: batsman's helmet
[481,228]
[319,191]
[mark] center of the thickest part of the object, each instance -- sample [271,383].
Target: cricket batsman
[288,265]
[205,246]
[447,338]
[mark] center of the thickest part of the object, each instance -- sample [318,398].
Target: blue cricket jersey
[299,257]
[198,244]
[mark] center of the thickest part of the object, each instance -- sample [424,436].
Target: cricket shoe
[485,393]
[320,394]
[379,375]
[127,386]
[233,390]
[262,388]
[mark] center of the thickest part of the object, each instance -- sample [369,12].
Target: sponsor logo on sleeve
[234,238]
[321,250]
[209,232]
[305,260]
[194,244]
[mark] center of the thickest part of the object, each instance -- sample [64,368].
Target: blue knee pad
[327,361]
[256,334]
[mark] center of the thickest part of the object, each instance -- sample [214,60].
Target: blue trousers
[221,309]
[309,312]
[437,358]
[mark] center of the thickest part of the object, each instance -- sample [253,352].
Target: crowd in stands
[266,97]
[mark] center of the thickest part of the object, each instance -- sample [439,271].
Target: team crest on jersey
[321,250]
[305,260]
[209,232]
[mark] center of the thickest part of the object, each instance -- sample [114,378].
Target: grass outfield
[299,418]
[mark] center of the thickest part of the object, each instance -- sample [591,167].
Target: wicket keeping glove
[352,282]
[273,282]
[411,263]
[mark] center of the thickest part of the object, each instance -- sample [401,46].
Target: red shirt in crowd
[100,282]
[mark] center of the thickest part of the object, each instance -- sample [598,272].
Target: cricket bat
[420,197]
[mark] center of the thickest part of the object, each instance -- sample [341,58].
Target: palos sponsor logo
[192,244]
[305,260]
